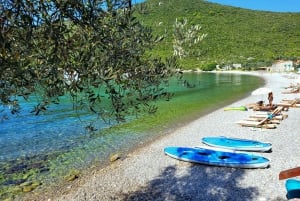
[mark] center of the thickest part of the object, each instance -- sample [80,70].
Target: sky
[263,5]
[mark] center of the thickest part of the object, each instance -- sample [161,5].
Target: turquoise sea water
[47,147]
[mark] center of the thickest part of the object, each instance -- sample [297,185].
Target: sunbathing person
[257,104]
[260,106]
[265,107]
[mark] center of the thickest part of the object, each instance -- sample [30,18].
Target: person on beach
[270,98]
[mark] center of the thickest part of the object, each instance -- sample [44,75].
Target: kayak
[217,158]
[237,144]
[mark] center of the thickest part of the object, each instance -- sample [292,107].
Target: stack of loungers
[266,119]
[263,119]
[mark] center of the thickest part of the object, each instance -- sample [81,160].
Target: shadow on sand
[195,182]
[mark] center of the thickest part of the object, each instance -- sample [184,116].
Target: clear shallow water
[27,135]
[46,147]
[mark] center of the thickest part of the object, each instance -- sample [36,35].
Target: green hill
[235,35]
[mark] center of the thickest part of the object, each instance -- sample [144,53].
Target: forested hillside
[234,35]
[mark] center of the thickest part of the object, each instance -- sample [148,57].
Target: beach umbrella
[261,91]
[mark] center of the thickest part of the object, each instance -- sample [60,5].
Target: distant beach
[148,174]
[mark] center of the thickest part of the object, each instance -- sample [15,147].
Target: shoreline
[147,174]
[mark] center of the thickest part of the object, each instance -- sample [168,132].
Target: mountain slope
[235,35]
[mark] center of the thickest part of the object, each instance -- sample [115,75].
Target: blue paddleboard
[217,158]
[237,144]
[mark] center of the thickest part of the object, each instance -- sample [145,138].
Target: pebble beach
[148,174]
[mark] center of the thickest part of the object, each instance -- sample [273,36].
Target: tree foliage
[93,50]
[185,38]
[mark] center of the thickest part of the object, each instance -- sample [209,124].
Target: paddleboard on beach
[241,108]
[217,158]
[237,144]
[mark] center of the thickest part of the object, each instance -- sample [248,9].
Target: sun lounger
[285,174]
[256,124]
[292,103]
[291,91]
[264,108]
[264,123]
[262,116]
[276,111]
[291,100]
[276,114]
[271,121]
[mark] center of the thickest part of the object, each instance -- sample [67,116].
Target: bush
[209,67]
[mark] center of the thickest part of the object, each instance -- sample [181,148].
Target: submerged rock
[114,157]
[30,186]
[74,174]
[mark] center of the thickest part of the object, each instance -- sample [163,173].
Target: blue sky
[265,5]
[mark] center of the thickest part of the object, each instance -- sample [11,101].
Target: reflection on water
[229,78]
[54,142]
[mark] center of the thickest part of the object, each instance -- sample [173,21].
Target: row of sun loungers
[270,119]
[264,119]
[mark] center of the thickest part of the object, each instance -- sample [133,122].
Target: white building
[282,66]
